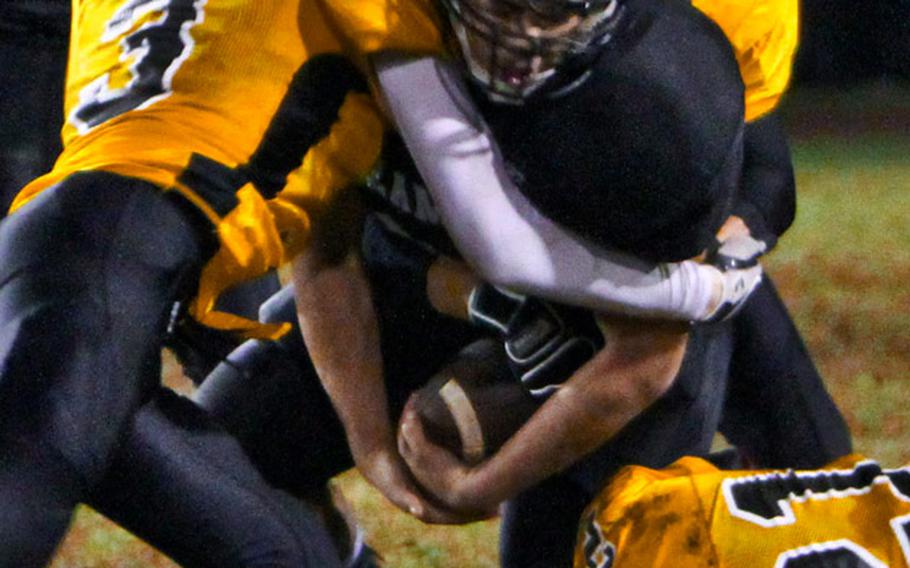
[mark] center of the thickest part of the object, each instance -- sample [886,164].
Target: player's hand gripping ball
[474,404]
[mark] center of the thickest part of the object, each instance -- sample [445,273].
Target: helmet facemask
[516,49]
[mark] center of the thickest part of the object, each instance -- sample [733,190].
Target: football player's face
[512,46]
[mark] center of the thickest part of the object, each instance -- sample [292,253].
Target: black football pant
[539,526]
[776,407]
[778,410]
[179,473]
[189,474]
[268,395]
[89,271]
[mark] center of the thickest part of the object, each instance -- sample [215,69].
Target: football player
[401,200]
[851,513]
[765,71]
[396,200]
[187,167]
[766,185]
[397,267]
[171,187]
[33,48]
[763,35]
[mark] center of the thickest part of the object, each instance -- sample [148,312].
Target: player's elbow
[649,388]
[651,382]
[503,269]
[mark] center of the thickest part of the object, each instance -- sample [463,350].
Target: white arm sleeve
[494,226]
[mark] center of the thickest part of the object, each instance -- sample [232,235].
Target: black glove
[545,342]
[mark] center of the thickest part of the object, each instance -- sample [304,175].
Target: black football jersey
[644,156]
[396,194]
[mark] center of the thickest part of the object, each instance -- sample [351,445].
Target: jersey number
[599,552]
[157,49]
[765,500]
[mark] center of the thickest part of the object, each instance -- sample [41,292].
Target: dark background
[845,42]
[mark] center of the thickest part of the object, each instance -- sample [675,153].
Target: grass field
[843,269]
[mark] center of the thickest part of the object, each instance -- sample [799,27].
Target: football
[474,404]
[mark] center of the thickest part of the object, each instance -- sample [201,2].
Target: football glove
[491,308]
[544,342]
[737,259]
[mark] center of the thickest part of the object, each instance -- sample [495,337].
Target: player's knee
[253,374]
[50,388]
[231,377]
[279,307]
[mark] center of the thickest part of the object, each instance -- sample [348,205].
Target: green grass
[844,270]
[94,542]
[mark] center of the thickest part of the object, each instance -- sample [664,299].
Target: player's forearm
[767,200]
[501,234]
[632,372]
[339,327]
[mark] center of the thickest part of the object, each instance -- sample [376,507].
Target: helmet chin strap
[569,87]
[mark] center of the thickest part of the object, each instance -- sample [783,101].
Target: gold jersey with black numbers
[185,93]
[853,513]
[764,35]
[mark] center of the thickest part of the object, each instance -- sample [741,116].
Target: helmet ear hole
[516,50]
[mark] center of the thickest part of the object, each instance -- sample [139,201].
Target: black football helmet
[518,49]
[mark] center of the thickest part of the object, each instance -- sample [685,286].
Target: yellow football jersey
[181,93]
[853,513]
[764,35]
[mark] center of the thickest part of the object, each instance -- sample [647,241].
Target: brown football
[474,404]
